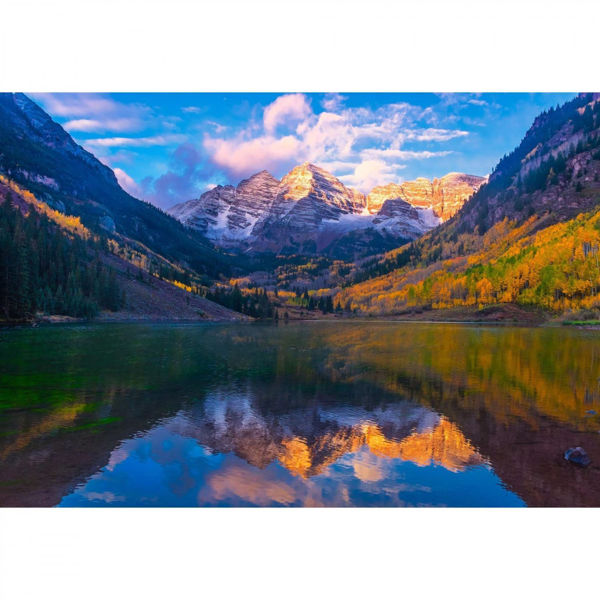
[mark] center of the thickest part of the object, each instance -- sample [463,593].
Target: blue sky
[168,147]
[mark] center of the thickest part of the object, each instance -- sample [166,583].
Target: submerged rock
[578,456]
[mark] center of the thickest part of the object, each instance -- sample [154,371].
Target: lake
[301,414]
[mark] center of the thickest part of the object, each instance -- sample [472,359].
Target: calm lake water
[304,414]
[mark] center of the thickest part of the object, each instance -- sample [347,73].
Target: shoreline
[354,319]
[506,315]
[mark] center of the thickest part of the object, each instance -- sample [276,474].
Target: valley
[524,239]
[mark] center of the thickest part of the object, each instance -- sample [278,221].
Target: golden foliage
[65,222]
[556,268]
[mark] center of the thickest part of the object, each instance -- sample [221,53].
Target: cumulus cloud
[361,145]
[286,110]
[371,173]
[241,158]
[328,136]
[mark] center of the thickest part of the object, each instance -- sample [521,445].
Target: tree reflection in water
[308,414]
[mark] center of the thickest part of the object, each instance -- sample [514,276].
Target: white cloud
[77,105]
[340,167]
[436,135]
[89,125]
[242,158]
[390,153]
[286,110]
[155,140]
[95,112]
[371,173]
[333,102]
[128,183]
[328,136]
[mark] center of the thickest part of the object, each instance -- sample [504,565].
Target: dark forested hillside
[75,243]
[43,269]
[52,264]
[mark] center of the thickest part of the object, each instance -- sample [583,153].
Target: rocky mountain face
[229,213]
[312,211]
[445,196]
[552,173]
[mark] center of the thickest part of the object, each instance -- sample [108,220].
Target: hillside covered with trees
[43,269]
[73,242]
[530,236]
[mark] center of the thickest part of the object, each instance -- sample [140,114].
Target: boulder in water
[578,456]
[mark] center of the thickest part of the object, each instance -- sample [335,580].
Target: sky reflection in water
[169,466]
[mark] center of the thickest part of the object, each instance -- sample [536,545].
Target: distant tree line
[376,267]
[324,303]
[255,304]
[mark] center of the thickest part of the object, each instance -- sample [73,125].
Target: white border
[297,553]
[289,45]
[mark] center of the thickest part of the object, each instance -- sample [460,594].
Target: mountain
[74,243]
[445,195]
[52,264]
[310,211]
[227,214]
[530,236]
[39,155]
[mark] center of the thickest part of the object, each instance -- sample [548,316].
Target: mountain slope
[51,264]
[228,214]
[530,235]
[312,212]
[38,154]
[115,253]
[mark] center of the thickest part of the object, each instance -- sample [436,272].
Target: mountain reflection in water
[305,414]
